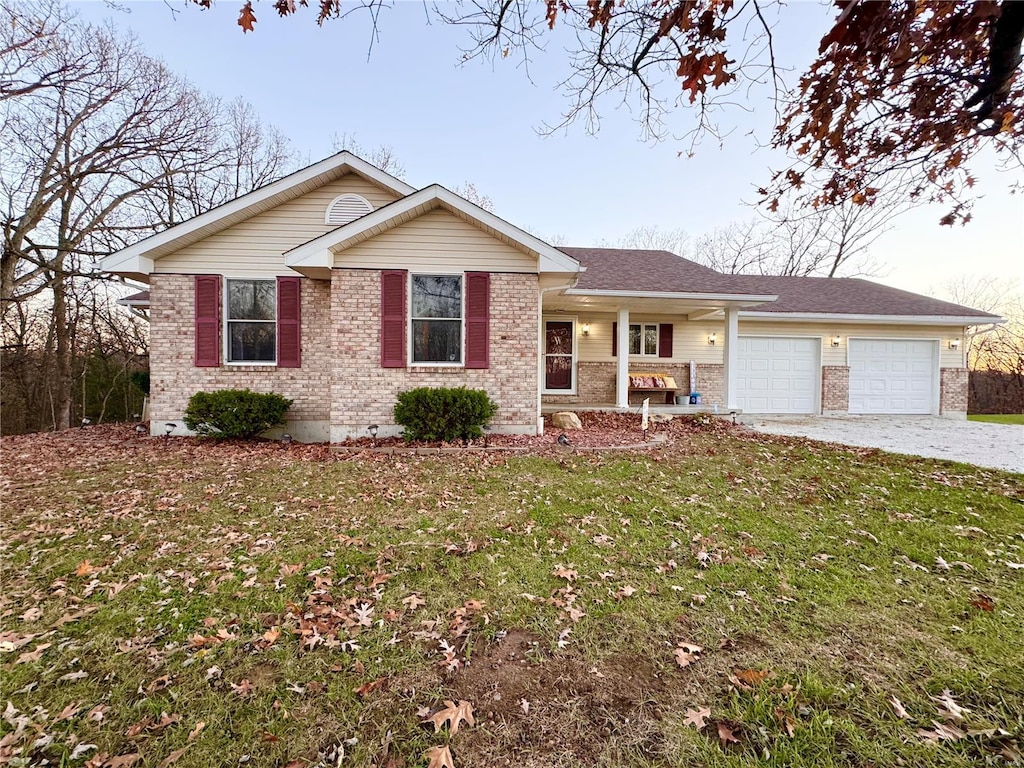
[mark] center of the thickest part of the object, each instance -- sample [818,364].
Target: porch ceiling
[694,308]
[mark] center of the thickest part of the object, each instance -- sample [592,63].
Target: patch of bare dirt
[536,709]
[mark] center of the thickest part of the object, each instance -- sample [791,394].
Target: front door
[559,371]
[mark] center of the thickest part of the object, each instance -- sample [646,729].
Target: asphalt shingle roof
[664,272]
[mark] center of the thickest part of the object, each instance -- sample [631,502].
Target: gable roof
[648,271]
[137,260]
[316,255]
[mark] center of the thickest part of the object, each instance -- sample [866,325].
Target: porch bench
[655,382]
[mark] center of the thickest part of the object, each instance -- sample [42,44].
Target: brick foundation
[953,392]
[835,389]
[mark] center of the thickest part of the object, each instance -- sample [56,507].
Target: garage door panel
[788,372]
[892,376]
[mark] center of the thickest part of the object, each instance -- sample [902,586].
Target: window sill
[427,368]
[249,367]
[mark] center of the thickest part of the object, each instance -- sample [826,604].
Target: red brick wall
[953,391]
[174,378]
[835,388]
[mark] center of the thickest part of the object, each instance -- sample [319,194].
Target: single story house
[340,286]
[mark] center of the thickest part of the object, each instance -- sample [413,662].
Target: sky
[480,122]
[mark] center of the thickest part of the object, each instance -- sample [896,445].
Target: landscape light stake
[286,439]
[86,421]
[372,429]
[168,428]
[140,429]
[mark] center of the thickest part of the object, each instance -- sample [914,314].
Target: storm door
[559,357]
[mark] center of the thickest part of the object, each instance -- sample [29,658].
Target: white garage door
[892,375]
[777,375]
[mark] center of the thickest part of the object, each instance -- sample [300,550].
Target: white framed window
[643,339]
[436,319]
[250,334]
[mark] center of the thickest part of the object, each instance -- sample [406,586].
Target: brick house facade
[339,246]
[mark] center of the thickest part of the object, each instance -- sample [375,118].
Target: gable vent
[346,208]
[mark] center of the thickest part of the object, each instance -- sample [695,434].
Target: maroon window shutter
[665,340]
[289,323]
[207,288]
[478,319]
[615,339]
[392,315]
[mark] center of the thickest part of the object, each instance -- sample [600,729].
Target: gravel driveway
[998,446]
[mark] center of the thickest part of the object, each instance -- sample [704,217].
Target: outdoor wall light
[169,427]
[954,343]
[836,341]
[712,338]
[586,329]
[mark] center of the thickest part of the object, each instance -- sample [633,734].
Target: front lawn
[733,599]
[998,418]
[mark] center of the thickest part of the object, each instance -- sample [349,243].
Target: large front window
[252,321]
[437,319]
[643,339]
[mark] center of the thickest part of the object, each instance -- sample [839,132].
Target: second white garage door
[777,375]
[892,375]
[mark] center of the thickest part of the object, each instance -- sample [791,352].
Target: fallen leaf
[244,687]
[29,656]
[949,709]
[124,761]
[439,757]
[172,758]
[727,734]
[453,714]
[687,653]
[753,677]
[983,603]
[194,733]
[85,568]
[697,717]
[413,601]
[367,688]
[32,614]
[897,706]
[787,721]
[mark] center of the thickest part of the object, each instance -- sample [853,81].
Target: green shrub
[235,413]
[141,380]
[444,413]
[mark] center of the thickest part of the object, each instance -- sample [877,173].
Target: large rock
[566,420]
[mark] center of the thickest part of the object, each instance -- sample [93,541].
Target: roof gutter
[745,297]
[794,317]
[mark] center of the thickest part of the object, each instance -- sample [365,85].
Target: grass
[251,605]
[998,418]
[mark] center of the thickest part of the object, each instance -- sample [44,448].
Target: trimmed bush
[235,413]
[444,413]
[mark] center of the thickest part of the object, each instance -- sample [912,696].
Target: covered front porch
[608,350]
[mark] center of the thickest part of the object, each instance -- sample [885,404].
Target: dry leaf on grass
[727,734]
[687,653]
[897,706]
[453,714]
[697,717]
[439,757]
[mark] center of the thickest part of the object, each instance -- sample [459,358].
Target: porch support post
[622,363]
[729,352]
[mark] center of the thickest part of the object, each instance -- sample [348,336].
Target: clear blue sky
[450,124]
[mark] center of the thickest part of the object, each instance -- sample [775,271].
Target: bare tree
[652,237]
[383,156]
[85,156]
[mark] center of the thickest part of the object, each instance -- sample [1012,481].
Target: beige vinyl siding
[690,339]
[948,358]
[255,248]
[437,240]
